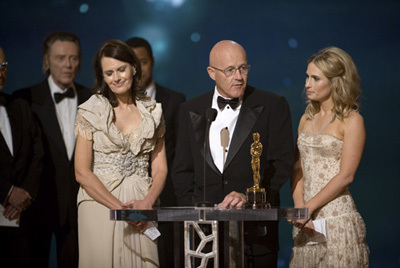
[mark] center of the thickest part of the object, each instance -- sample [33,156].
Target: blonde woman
[331,138]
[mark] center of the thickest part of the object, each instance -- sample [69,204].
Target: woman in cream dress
[117,130]
[331,138]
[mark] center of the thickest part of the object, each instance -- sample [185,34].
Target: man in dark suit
[55,102]
[21,154]
[170,101]
[241,110]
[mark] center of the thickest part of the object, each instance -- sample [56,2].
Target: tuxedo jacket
[59,187]
[23,167]
[170,101]
[261,111]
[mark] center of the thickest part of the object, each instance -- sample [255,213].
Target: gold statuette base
[256,198]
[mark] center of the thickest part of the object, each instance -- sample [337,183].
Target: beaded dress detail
[345,244]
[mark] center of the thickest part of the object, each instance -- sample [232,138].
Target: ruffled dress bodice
[117,156]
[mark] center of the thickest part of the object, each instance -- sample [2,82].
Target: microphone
[224,144]
[211,114]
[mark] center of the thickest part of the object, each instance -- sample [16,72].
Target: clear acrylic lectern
[193,216]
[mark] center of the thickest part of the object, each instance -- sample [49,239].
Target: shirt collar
[54,88]
[151,90]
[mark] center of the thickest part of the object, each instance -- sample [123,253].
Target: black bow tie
[69,93]
[223,102]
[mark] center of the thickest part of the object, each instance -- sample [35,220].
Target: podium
[193,216]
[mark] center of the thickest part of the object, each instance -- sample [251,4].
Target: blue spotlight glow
[159,4]
[159,46]
[293,43]
[84,8]
[177,3]
[195,37]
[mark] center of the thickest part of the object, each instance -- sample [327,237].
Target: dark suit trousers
[66,237]
[14,250]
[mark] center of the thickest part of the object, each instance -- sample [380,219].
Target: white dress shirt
[151,90]
[226,118]
[66,114]
[5,128]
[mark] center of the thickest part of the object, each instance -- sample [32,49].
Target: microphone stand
[211,114]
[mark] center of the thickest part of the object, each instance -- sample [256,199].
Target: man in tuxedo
[21,154]
[55,102]
[241,110]
[170,101]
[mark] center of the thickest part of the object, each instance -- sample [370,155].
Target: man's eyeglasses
[3,66]
[244,69]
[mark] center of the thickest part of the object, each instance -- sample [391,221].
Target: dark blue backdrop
[279,37]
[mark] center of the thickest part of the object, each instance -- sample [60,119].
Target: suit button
[225,182]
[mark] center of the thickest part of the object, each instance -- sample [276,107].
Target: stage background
[279,37]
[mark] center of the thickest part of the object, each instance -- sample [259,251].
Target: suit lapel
[81,97]
[161,97]
[3,146]
[199,127]
[15,121]
[43,104]
[249,113]
[16,129]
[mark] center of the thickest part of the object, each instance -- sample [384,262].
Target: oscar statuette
[256,196]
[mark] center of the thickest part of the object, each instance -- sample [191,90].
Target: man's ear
[211,72]
[46,64]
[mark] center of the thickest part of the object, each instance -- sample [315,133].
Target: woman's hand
[138,204]
[307,226]
[140,226]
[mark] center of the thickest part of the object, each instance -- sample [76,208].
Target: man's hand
[19,199]
[10,212]
[233,199]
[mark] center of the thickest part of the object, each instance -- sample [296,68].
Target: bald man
[242,110]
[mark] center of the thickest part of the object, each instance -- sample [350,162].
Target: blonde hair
[342,72]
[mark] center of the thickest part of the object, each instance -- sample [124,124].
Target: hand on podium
[233,199]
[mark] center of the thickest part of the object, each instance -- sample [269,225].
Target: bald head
[226,59]
[224,50]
